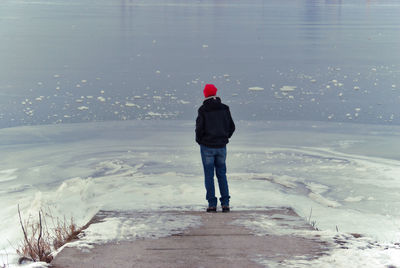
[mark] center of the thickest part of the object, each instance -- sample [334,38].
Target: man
[214,127]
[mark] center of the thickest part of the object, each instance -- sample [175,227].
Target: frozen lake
[342,176]
[79,61]
[313,86]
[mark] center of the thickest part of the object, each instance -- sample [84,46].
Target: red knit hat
[209,90]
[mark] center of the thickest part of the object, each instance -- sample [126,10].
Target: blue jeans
[214,158]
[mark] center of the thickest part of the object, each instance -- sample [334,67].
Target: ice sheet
[78,169]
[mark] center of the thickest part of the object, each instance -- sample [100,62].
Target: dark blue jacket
[214,124]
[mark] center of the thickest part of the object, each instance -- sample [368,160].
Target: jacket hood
[212,103]
[212,98]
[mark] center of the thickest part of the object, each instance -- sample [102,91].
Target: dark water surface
[76,61]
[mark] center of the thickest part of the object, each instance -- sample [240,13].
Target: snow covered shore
[346,173]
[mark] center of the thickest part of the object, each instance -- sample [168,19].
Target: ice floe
[130,104]
[288,88]
[83,108]
[354,198]
[256,88]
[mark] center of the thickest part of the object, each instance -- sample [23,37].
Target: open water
[67,61]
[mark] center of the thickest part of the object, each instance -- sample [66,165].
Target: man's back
[214,124]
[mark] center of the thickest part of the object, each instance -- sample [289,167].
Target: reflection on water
[126,15]
[117,60]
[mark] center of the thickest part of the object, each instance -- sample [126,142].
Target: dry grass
[40,240]
[65,232]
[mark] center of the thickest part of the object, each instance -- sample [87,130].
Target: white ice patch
[276,224]
[83,108]
[354,198]
[138,226]
[350,252]
[324,201]
[101,99]
[316,194]
[154,114]
[130,104]
[368,258]
[286,181]
[288,88]
[8,175]
[317,187]
[116,167]
[256,88]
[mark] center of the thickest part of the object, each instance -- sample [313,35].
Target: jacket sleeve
[199,127]
[231,125]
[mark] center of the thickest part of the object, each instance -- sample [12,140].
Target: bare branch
[25,235]
[40,236]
